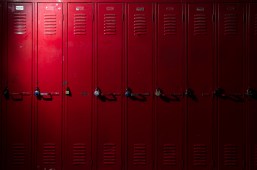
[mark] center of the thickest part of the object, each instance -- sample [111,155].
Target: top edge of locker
[138,1]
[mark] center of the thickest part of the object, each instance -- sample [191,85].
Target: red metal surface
[18,113]
[252,83]
[170,62]
[139,79]
[200,78]
[231,114]
[109,72]
[49,71]
[1,87]
[79,105]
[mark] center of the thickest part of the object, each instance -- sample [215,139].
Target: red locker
[79,87]
[139,115]
[109,72]
[200,80]
[231,113]
[49,86]
[18,87]
[252,87]
[1,88]
[170,81]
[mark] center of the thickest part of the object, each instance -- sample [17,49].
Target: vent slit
[169,155]
[49,154]
[110,21]
[140,27]
[231,155]
[19,23]
[80,23]
[230,24]
[79,154]
[200,24]
[50,24]
[139,155]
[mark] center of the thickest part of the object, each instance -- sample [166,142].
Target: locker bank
[128,85]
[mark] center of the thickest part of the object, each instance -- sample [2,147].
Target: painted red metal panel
[1,88]
[79,87]
[231,114]
[252,87]
[170,83]
[18,94]
[140,81]
[49,84]
[200,79]
[109,71]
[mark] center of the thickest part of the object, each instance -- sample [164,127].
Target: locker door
[18,87]
[139,116]
[231,116]
[252,87]
[109,108]
[79,87]
[1,88]
[169,86]
[49,86]
[200,69]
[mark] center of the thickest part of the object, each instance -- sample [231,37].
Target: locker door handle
[205,94]
[159,93]
[250,92]
[21,94]
[99,93]
[219,92]
[128,93]
[6,93]
[189,93]
[48,95]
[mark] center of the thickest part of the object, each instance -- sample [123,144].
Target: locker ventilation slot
[170,24]
[19,23]
[109,154]
[169,154]
[255,156]
[140,27]
[49,154]
[200,152]
[80,24]
[139,155]
[200,24]
[230,24]
[50,24]
[18,157]
[110,24]
[231,155]
[255,24]
[79,154]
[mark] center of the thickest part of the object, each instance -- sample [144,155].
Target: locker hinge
[244,19]
[183,17]
[62,18]
[213,18]
[123,17]
[93,17]
[153,18]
